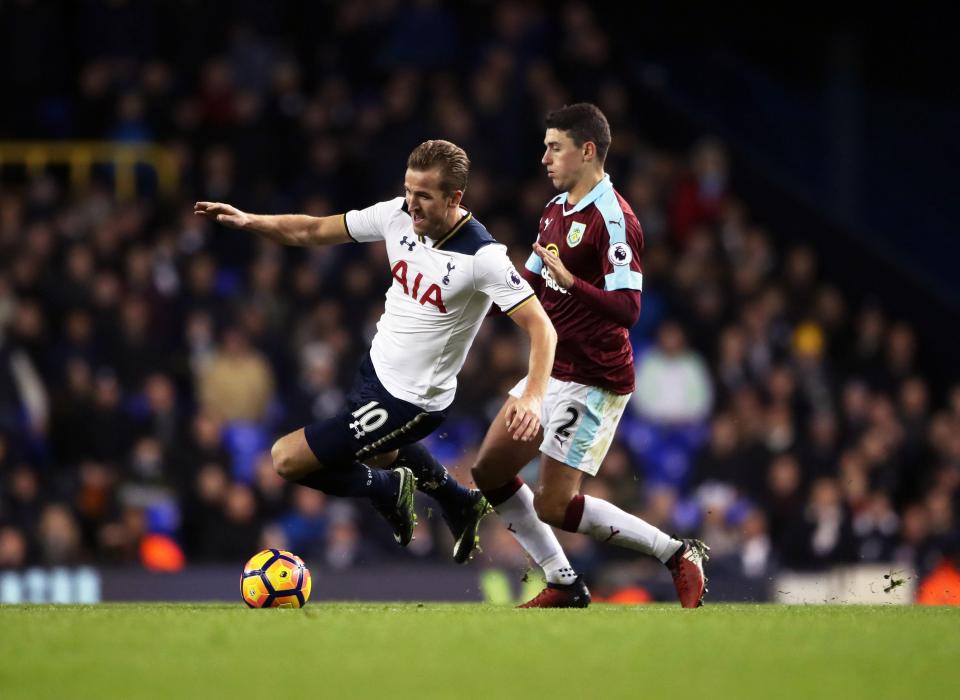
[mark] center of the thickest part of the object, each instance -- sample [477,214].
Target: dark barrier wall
[395,583]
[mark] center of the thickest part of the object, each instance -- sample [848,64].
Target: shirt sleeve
[534,263]
[495,276]
[370,224]
[622,306]
[621,250]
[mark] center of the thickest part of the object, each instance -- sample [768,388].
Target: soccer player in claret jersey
[447,269]
[585,268]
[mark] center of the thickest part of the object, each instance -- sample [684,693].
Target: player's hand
[222,214]
[561,275]
[523,417]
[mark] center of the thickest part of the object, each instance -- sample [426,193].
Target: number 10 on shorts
[368,419]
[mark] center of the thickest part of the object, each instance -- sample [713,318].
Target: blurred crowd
[149,359]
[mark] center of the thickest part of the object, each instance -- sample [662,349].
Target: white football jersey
[440,293]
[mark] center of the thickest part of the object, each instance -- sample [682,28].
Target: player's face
[428,204]
[563,159]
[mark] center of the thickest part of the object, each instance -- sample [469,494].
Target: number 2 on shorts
[564,430]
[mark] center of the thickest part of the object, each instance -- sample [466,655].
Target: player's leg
[295,461]
[433,478]
[332,471]
[579,447]
[373,428]
[558,501]
[570,590]
[499,461]
[386,427]
[383,460]
[605,522]
[461,508]
[501,457]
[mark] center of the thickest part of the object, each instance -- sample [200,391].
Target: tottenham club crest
[514,279]
[575,234]
[619,254]
[446,278]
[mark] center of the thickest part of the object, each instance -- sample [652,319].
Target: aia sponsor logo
[430,295]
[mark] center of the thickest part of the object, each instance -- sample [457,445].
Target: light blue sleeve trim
[613,217]
[534,263]
[623,278]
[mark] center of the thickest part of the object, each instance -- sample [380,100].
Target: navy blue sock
[433,479]
[355,481]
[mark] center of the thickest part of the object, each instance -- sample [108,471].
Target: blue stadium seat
[245,441]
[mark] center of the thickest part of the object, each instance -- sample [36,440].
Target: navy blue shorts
[372,422]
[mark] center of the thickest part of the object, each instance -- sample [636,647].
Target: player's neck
[583,186]
[453,217]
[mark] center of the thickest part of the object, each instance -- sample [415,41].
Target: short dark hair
[449,157]
[584,122]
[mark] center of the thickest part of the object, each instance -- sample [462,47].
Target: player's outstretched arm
[523,415]
[288,229]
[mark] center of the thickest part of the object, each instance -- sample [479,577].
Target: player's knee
[482,474]
[549,509]
[284,460]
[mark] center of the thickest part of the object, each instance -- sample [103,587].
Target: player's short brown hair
[449,157]
[584,122]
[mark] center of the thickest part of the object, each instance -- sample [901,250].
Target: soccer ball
[275,578]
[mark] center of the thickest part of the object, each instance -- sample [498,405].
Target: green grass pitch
[386,650]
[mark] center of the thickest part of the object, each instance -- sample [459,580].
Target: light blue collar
[600,188]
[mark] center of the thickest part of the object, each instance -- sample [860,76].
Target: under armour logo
[616,222]
[410,245]
[446,278]
[613,531]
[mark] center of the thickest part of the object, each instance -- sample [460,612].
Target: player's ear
[456,197]
[589,151]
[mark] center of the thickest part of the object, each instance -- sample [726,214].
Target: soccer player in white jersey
[447,269]
[586,270]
